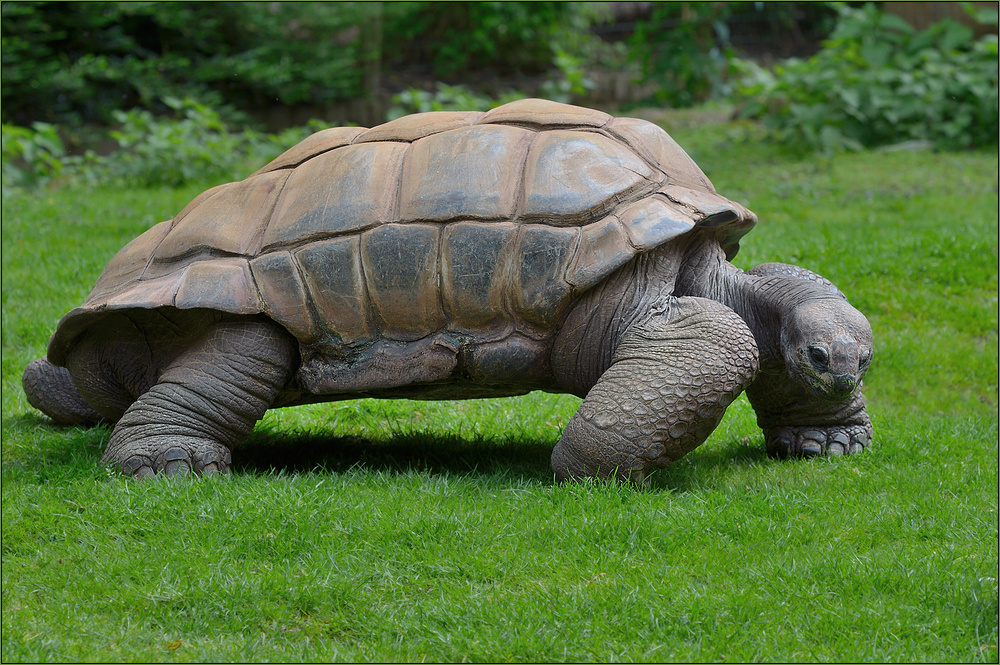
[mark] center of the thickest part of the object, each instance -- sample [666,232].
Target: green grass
[432,530]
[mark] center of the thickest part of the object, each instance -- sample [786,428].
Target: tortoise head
[827,346]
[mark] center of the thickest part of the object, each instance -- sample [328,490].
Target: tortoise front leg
[205,402]
[670,381]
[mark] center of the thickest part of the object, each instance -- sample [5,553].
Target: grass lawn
[412,531]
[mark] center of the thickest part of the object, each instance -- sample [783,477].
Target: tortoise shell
[430,230]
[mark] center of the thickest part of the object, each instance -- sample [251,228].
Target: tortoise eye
[819,356]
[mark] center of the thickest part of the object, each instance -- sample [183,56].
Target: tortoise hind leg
[205,402]
[668,386]
[50,389]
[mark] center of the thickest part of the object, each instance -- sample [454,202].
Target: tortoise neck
[764,302]
[707,274]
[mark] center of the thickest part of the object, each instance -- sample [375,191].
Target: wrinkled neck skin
[760,301]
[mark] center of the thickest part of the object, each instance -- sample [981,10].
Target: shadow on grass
[276,452]
[398,453]
[269,452]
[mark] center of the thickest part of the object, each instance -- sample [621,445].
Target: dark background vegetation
[74,63]
[116,91]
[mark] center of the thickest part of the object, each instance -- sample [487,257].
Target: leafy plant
[154,151]
[76,63]
[878,81]
[31,157]
[571,80]
[193,143]
[684,48]
[463,36]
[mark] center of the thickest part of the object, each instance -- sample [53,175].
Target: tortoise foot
[831,441]
[179,458]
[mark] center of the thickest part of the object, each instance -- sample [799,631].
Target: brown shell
[476,224]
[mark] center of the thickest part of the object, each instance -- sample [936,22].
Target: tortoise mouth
[825,385]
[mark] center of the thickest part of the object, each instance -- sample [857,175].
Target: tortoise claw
[177,461]
[816,442]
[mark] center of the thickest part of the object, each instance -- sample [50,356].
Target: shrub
[684,49]
[878,81]
[31,157]
[192,144]
[164,151]
[456,37]
[73,63]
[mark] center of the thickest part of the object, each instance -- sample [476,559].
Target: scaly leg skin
[671,379]
[205,402]
[50,389]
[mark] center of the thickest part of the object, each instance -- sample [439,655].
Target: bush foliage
[469,36]
[78,62]
[192,143]
[878,81]
[690,60]
[190,72]
[73,63]
[31,156]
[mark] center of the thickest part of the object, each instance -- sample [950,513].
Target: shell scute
[653,221]
[604,247]
[284,295]
[475,272]
[657,147]
[148,294]
[129,263]
[333,275]
[200,199]
[346,190]
[711,209]
[515,359]
[470,173]
[412,127]
[542,256]
[314,144]
[545,114]
[401,272]
[229,222]
[223,284]
[575,177]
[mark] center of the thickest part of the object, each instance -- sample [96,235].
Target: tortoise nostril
[844,383]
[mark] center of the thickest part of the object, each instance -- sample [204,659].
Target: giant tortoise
[452,255]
